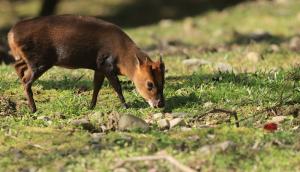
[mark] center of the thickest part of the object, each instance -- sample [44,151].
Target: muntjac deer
[84,42]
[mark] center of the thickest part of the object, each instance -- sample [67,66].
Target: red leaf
[271,126]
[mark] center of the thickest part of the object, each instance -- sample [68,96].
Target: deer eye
[150,85]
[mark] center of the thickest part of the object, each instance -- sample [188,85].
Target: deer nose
[161,103]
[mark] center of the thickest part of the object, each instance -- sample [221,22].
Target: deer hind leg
[29,78]
[28,74]
[22,70]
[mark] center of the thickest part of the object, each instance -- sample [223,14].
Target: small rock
[224,67]
[195,63]
[163,124]
[253,56]
[274,48]
[157,116]
[207,104]
[207,149]
[189,25]
[211,136]
[177,122]
[165,23]
[169,116]
[277,119]
[294,43]
[130,122]
[84,123]
[186,129]
[44,118]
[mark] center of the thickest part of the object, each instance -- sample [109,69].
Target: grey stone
[163,124]
[294,43]
[277,119]
[177,122]
[195,63]
[157,116]
[253,56]
[130,122]
[274,48]
[223,146]
[84,123]
[224,67]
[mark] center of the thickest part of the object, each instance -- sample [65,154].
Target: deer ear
[160,61]
[138,60]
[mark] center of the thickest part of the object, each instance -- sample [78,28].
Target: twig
[79,78]
[260,112]
[216,110]
[231,113]
[168,158]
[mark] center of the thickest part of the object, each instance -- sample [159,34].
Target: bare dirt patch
[7,106]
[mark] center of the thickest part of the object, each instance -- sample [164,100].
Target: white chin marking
[150,103]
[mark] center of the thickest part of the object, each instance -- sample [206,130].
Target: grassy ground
[262,86]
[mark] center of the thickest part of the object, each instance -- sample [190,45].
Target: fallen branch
[260,112]
[78,79]
[231,113]
[168,158]
[216,110]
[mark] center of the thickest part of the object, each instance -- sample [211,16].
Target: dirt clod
[7,107]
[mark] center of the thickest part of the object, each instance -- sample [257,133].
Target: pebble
[176,122]
[224,67]
[163,124]
[253,56]
[157,116]
[294,43]
[130,122]
[84,123]
[195,63]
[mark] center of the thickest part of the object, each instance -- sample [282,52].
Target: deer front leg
[115,83]
[109,70]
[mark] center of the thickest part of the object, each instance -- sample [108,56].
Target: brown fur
[83,42]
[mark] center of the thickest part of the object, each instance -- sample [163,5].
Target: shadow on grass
[65,84]
[259,37]
[181,101]
[241,79]
[145,12]
[256,81]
